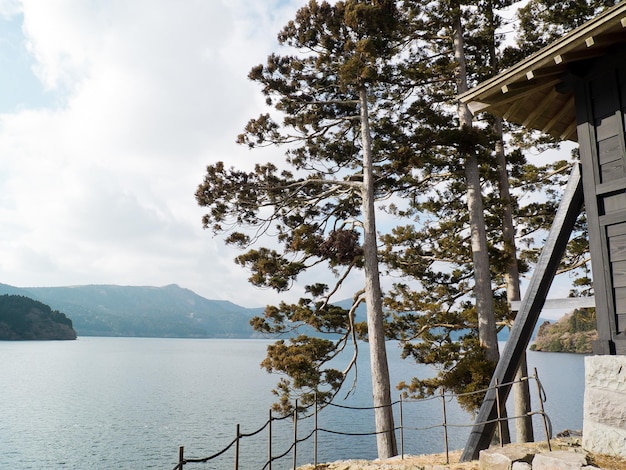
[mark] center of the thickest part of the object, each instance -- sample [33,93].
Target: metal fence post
[543,414]
[315,435]
[237,448]
[401,430]
[269,442]
[499,413]
[295,436]
[181,457]
[445,424]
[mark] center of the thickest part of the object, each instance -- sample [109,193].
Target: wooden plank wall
[601,105]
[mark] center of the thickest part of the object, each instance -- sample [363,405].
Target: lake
[127,403]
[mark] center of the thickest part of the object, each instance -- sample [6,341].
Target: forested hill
[22,318]
[170,311]
[572,333]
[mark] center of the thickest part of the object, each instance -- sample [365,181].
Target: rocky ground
[438,461]
[412,462]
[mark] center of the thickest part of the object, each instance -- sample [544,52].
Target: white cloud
[100,188]
[9,8]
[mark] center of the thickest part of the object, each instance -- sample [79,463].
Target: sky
[110,112]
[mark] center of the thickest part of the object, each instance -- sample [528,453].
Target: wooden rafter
[558,116]
[512,109]
[578,55]
[569,132]
[546,102]
[544,72]
[529,86]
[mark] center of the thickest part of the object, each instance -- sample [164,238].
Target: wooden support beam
[556,304]
[525,321]
[512,96]
[514,93]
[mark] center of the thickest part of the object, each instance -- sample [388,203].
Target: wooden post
[445,425]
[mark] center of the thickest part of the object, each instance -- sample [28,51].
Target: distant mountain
[170,311]
[22,318]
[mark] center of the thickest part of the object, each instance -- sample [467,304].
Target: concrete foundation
[604,425]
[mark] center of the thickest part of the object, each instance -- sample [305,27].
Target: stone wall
[604,425]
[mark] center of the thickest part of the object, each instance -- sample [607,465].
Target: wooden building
[574,89]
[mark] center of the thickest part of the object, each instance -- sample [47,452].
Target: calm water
[127,403]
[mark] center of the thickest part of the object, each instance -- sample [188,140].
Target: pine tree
[436,316]
[337,113]
[365,109]
[449,229]
[521,398]
[541,22]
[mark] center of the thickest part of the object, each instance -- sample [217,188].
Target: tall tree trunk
[521,391]
[487,333]
[381,389]
[482,277]
[521,401]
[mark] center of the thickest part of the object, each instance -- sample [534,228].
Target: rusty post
[499,413]
[181,457]
[237,448]
[295,436]
[315,435]
[543,413]
[269,442]
[401,430]
[445,425]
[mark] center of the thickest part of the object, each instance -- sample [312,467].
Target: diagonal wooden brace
[526,319]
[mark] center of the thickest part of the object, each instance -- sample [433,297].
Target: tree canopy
[336,112]
[22,318]
[363,103]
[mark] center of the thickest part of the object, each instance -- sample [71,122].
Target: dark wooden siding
[601,108]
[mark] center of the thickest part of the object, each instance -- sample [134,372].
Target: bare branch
[337,285]
[580,263]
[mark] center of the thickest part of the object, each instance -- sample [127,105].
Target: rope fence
[401,403]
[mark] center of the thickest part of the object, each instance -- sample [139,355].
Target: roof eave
[547,57]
